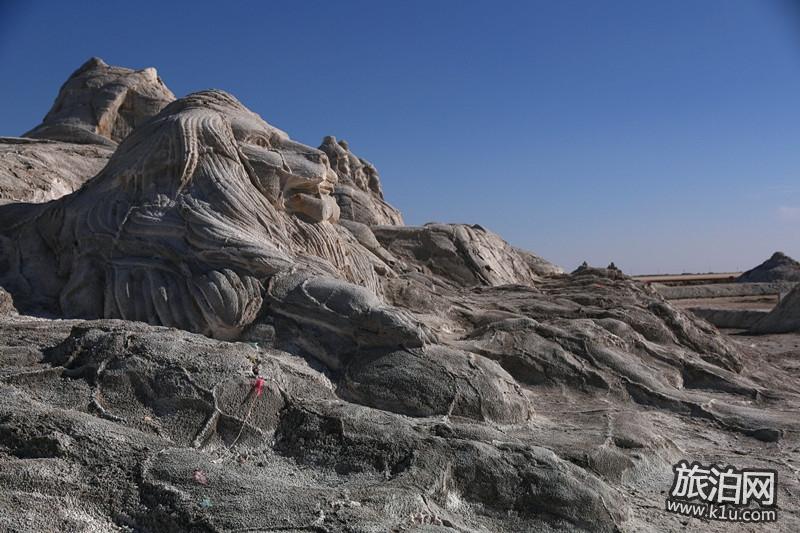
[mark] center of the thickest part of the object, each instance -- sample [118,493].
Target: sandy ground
[679,279]
[765,303]
[782,350]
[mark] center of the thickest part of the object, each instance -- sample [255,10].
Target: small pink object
[258,386]
[200,477]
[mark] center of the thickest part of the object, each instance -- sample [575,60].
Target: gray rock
[102,104]
[784,318]
[117,424]
[462,254]
[33,170]
[330,319]
[779,267]
[302,374]
[358,191]
[6,303]
[193,213]
[435,381]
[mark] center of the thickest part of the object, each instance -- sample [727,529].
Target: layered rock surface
[234,332]
[33,170]
[358,191]
[101,104]
[97,107]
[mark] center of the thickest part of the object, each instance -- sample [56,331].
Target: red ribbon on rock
[258,386]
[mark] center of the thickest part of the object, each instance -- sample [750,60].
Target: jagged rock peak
[583,266]
[611,271]
[352,169]
[101,104]
[359,192]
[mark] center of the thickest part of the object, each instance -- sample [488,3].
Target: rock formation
[358,191]
[325,368]
[6,303]
[784,318]
[100,104]
[779,267]
[34,170]
[461,254]
[96,108]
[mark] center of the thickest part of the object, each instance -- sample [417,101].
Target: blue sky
[660,135]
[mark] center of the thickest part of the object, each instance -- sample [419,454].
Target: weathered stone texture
[233,331]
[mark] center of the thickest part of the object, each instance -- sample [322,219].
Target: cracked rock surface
[226,330]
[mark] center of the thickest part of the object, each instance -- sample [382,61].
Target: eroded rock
[6,303]
[102,104]
[358,191]
[385,378]
[194,212]
[435,381]
[33,170]
[463,255]
[784,318]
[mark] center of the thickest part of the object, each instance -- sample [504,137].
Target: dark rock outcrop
[779,267]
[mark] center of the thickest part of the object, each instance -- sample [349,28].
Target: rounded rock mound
[779,267]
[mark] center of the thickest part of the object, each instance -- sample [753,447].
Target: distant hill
[779,267]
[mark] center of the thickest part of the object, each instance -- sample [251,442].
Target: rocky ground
[227,330]
[120,426]
[763,300]
[757,303]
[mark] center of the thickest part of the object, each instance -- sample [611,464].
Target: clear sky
[662,135]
